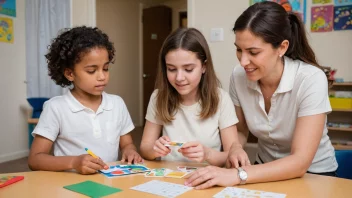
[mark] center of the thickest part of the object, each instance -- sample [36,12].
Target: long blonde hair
[168,99]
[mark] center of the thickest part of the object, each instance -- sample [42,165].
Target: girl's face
[184,72]
[259,59]
[91,75]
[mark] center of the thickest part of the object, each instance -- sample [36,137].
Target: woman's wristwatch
[242,174]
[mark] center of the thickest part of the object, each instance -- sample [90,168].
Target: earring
[280,55]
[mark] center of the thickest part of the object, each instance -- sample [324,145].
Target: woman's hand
[195,151]
[212,175]
[159,146]
[237,157]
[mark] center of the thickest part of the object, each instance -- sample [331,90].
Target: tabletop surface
[50,184]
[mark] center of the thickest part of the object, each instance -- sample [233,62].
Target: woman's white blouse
[303,91]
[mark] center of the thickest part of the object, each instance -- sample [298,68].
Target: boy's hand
[131,156]
[86,164]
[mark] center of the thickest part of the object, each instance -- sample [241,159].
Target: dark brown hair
[168,99]
[273,24]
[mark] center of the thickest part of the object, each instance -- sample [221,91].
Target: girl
[188,105]
[281,96]
[86,116]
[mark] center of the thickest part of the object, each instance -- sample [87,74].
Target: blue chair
[37,105]
[344,159]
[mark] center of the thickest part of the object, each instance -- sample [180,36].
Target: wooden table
[50,184]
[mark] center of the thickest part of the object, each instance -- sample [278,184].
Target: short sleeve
[232,90]
[313,97]
[151,110]
[48,125]
[227,112]
[126,121]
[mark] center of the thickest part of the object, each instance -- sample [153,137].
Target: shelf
[342,147]
[339,129]
[342,84]
[342,110]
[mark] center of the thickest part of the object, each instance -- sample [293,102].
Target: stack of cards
[164,189]
[181,172]
[158,172]
[187,169]
[243,193]
[119,170]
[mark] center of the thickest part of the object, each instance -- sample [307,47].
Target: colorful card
[119,170]
[322,18]
[158,172]
[92,189]
[342,2]
[176,174]
[343,17]
[230,192]
[174,143]
[161,188]
[7,180]
[321,1]
[187,169]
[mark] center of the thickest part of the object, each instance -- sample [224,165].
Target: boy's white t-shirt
[187,126]
[303,91]
[73,127]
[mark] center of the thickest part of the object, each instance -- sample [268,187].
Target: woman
[280,95]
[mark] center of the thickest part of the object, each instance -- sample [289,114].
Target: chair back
[344,159]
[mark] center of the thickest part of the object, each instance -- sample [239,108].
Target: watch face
[243,175]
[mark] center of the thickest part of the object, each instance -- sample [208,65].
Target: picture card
[187,169]
[119,170]
[158,172]
[164,189]
[230,192]
[174,143]
[176,174]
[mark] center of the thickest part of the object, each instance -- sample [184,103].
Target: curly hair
[70,46]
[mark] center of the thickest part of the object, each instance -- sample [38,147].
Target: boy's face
[91,75]
[184,72]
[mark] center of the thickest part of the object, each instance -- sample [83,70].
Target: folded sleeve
[48,125]
[151,110]
[227,112]
[313,96]
[232,90]
[126,121]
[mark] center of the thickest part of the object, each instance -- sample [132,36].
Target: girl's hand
[212,175]
[86,164]
[131,156]
[159,146]
[195,151]
[237,157]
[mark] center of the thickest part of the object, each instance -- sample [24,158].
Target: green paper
[92,189]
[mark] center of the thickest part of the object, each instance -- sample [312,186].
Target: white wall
[13,104]
[13,117]
[177,6]
[120,20]
[332,48]
[83,13]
